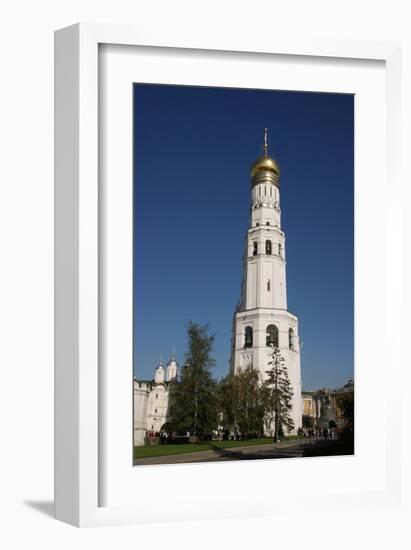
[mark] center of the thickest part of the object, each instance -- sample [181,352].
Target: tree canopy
[345,402]
[243,402]
[194,403]
[280,394]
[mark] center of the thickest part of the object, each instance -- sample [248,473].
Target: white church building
[152,401]
[261,319]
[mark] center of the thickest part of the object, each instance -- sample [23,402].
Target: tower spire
[265,164]
[265,142]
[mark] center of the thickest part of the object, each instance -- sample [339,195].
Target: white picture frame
[80,393]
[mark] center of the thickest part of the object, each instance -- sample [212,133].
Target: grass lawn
[176,449]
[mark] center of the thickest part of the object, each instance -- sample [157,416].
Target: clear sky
[193,148]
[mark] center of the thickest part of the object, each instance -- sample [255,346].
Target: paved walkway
[251,452]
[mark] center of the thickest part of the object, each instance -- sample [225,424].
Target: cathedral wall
[141,396]
[157,409]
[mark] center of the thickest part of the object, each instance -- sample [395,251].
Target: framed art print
[222,220]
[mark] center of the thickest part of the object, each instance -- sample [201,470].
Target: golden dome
[265,164]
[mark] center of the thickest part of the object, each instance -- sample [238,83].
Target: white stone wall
[151,409]
[265,277]
[141,396]
[158,408]
[265,204]
[259,355]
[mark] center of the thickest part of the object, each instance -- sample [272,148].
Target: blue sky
[193,148]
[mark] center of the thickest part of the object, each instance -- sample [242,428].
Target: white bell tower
[262,319]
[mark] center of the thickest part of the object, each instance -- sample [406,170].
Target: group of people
[318,433]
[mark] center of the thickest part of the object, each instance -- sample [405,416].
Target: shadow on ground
[256,454]
[45,507]
[318,448]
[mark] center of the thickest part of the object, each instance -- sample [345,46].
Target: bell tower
[262,319]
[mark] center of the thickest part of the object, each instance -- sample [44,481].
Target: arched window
[280,249]
[257,224]
[268,285]
[268,247]
[248,337]
[267,223]
[255,248]
[272,336]
[290,338]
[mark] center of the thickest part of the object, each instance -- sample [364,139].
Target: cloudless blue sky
[193,148]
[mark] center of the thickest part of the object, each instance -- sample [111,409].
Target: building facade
[321,407]
[262,320]
[151,401]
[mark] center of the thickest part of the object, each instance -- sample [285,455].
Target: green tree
[227,401]
[280,394]
[345,402]
[194,402]
[243,402]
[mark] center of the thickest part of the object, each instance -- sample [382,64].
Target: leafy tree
[345,402]
[243,402]
[280,394]
[194,402]
[227,400]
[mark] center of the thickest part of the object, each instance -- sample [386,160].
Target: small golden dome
[265,164]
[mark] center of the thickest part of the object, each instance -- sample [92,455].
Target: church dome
[265,169]
[265,164]
[172,369]
[159,373]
